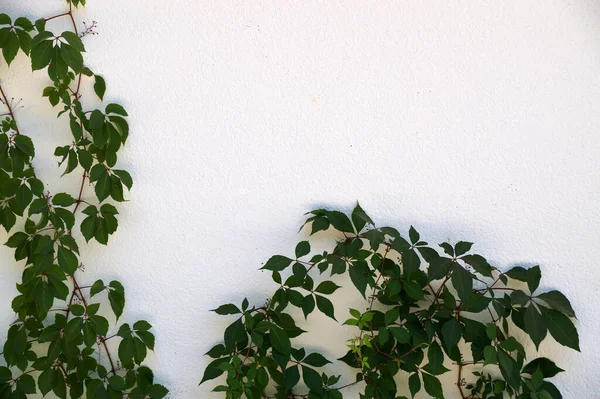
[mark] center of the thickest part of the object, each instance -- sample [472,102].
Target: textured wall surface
[469,120]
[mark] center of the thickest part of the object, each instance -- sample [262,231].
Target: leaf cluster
[426,311]
[58,343]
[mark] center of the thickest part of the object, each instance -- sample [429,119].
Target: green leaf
[72,57]
[552,390]
[141,325]
[41,55]
[479,264]
[360,218]
[115,109]
[277,263]
[435,357]
[67,260]
[213,371]
[227,309]
[530,276]
[103,186]
[217,351]
[462,281]
[117,383]
[401,334]
[413,290]
[519,298]
[358,277]
[280,341]
[127,350]
[432,385]
[557,301]
[97,287]
[534,276]
[327,287]
[490,355]
[16,240]
[308,305]
[303,248]
[315,360]
[147,338]
[413,235]
[63,199]
[26,384]
[462,247]
[312,379]
[448,249]
[476,303]
[561,328]
[99,86]
[340,221]
[117,302]
[509,369]
[451,333]
[73,40]
[325,306]
[24,144]
[548,367]
[414,384]
[534,325]
[11,47]
[125,177]
[292,376]
[46,381]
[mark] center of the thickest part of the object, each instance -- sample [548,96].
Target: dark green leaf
[327,287]
[227,309]
[315,360]
[509,369]
[548,367]
[561,328]
[360,218]
[303,248]
[26,384]
[115,109]
[292,376]
[99,86]
[280,341]
[24,144]
[432,386]
[414,384]
[451,333]
[67,260]
[63,199]
[97,287]
[312,379]
[534,325]
[479,264]
[435,357]
[462,281]
[557,301]
[325,306]
[462,247]
[277,263]
[308,305]
[73,40]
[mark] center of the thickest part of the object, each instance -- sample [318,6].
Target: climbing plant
[58,343]
[424,311]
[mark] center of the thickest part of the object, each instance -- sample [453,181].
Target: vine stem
[9,107]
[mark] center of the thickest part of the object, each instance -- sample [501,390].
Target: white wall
[469,120]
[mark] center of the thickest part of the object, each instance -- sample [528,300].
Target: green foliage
[424,310]
[57,345]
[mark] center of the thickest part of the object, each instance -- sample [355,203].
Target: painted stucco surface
[469,120]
